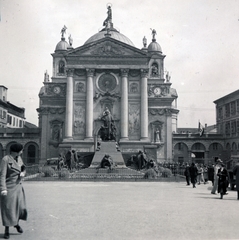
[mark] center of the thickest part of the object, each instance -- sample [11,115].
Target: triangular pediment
[106,47]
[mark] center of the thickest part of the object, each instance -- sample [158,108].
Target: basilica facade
[108,73]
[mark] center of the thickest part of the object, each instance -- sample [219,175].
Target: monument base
[109,148]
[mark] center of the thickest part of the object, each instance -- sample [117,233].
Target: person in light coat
[13,202]
[215,182]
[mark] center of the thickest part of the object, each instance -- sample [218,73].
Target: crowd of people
[217,174]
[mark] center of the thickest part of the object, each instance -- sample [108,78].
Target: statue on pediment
[109,16]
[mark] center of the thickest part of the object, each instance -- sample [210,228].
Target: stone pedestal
[108,148]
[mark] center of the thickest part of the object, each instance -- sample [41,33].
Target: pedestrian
[193,174]
[211,173]
[222,180]
[215,181]
[205,173]
[187,174]
[200,174]
[13,203]
[236,172]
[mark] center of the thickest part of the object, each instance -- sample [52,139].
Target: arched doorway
[215,151]
[181,153]
[198,149]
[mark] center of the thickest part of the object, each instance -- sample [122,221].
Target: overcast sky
[200,39]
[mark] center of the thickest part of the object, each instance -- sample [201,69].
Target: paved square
[126,211]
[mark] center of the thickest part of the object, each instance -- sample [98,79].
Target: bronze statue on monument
[108,129]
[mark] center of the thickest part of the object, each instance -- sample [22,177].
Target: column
[89,103]
[124,104]
[69,104]
[144,104]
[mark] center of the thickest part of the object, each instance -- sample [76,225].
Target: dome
[154,47]
[113,34]
[62,45]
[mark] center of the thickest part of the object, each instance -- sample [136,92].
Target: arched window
[61,67]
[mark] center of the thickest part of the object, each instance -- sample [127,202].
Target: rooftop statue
[153,33]
[63,31]
[70,40]
[109,17]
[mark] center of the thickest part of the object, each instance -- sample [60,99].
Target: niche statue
[108,129]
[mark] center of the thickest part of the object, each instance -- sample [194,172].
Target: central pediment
[107,47]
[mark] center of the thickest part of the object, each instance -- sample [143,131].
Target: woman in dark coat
[187,174]
[193,174]
[222,180]
[13,204]
[236,172]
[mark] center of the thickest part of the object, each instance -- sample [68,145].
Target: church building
[108,77]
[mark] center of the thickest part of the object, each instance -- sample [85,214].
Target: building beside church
[219,141]
[227,118]
[15,128]
[108,73]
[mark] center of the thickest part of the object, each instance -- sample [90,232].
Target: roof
[235,93]
[154,47]
[113,33]
[29,125]
[62,45]
[187,130]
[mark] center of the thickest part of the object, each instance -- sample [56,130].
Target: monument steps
[119,170]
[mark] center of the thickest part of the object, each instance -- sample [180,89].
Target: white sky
[200,39]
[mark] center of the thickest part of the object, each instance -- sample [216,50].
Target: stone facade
[108,72]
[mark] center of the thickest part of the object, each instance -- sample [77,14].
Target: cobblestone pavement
[126,211]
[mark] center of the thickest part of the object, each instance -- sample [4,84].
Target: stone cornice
[51,110]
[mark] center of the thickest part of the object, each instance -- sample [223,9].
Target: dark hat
[16,147]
